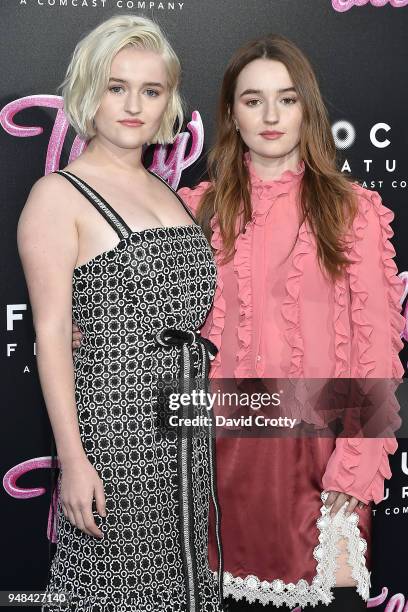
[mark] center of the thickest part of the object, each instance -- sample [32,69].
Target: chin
[129,142]
[274,151]
[133,143]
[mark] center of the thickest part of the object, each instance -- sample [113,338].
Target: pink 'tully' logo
[168,161]
[345,5]
[14,490]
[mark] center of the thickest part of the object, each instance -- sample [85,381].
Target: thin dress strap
[186,208]
[109,214]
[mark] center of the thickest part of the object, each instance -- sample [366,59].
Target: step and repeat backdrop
[359,49]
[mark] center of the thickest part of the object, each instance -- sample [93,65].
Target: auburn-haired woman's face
[267,110]
[136,97]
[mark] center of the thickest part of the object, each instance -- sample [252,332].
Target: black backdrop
[359,49]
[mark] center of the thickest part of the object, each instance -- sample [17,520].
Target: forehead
[133,64]
[263,74]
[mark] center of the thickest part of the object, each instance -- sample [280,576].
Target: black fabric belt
[186,340]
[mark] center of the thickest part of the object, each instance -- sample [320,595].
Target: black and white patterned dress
[139,306]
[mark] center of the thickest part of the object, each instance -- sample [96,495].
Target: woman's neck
[269,168]
[109,157]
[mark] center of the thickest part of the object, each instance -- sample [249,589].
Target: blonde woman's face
[133,105]
[267,110]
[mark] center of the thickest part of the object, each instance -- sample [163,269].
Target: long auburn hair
[327,199]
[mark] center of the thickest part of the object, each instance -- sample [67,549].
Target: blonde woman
[110,244]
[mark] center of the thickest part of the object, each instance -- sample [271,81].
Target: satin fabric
[276,314]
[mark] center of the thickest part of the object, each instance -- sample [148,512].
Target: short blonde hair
[88,72]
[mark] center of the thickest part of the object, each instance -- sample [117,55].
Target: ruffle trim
[396,285]
[242,259]
[341,333]
[219,308]
[366,362]
[376,488]
[348,469]
[275,185]
[242,270]
[350,460]
[290,306]
[331,529]
[192,198]
[291,312]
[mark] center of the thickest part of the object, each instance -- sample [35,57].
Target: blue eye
[152,93]
[115,87]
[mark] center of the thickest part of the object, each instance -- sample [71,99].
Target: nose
[133,102]
[271,112]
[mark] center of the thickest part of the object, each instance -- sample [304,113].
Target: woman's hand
[337,499]
[80,483]
[76,337]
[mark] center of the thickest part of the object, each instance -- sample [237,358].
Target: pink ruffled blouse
[276,315]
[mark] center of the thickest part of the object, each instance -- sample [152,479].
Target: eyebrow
[258,91]
[150,84]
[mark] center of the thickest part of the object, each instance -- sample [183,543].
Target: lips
[271,134]
[132,122]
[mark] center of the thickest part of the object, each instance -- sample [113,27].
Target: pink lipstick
[271,134]
[132,122]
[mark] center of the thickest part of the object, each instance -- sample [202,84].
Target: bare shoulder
[48,213]
[50,197]
[47,188]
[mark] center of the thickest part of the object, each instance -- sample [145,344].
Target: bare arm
[48,244]
[48,247]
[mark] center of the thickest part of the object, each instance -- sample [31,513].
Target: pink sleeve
[192,197]
[358,466]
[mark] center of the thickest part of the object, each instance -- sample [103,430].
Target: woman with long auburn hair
[306,289]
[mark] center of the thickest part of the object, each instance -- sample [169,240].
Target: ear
[230,113]
[231,116]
